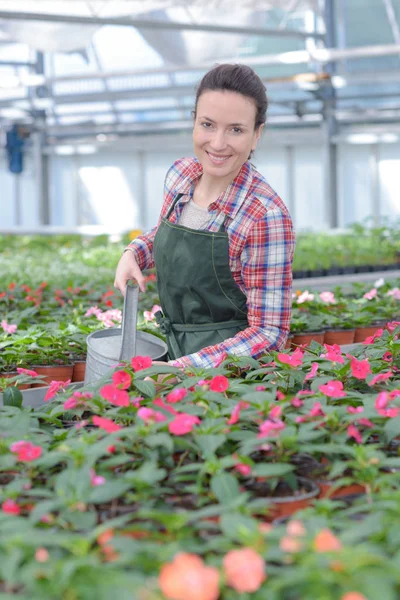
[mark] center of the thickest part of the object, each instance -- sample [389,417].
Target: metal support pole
[17,199]
[41,178]
[291,188]
[330,126]
[142,192]
[374,170]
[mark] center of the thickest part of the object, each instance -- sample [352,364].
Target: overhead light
[362,138]
[389,138]
[43,103]
[9,81]
[338,81]
[64,150]
[86,149]
[13,113]
[33,79]
[101,137]
[295,57]
[308,85]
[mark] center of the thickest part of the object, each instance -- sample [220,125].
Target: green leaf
[159,439]
[272,469]
[392,428]
[238,527]
[210,443]
[225,487]
[12,396]
[147,388]
[108,491]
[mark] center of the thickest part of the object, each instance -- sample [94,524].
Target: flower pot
[327,491]
[339,336]
[21,386]
[362,333]
[289,342]
[78,373]
[53,373]
[307,337]
[282,501]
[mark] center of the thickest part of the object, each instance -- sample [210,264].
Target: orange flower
[295,528]
[41,555]
[188,578]
[244,570]
[290,544]
[325,541]
[353,596]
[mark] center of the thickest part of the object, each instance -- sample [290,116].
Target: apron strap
[171,208]
[166,327]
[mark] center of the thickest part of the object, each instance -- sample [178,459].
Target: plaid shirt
[261,248]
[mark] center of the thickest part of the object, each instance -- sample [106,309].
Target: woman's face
[223,133]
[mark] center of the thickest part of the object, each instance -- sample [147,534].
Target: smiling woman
[223,246]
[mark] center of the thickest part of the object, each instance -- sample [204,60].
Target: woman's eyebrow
[230,124]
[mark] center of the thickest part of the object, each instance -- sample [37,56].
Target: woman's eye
[237,130]
[206,125]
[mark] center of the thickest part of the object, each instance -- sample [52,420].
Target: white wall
[121,188]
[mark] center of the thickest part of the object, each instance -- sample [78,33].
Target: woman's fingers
[128,269]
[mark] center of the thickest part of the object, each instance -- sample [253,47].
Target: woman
[224,243]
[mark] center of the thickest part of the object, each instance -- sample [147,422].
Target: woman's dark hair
[240,79]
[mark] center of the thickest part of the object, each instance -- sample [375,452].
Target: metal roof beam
[153,24]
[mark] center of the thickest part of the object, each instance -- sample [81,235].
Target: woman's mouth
[217,159]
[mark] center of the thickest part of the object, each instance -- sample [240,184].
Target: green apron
[202,304]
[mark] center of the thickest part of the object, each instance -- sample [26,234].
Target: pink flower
[353,432]
[8,328]
[115,396]
[316,410]
[10,507]
[121,379]
[26,451]
[260,388]
[93,310]
[313,371]
[395,292]
[22,371]
[176,395]
[219,383]
[259,348]
[234,418]
[96,480]
[220,359]
[54,388]
[306,296]
[279,395]
[188,578]
[243,469]
[149,415]
[381,403]
[141,362]
[293,360]
[392,326]
[333,353]
[76,399]
[244,570]
[107,424]
[183,424]
[149,315]
[370,339]
[275,412]
[333,389]
[297,402]
[161,404]
[353,410]
[359,368]
[41,555]
[328,297]
[271,428]
[371,294]
[365,422]
[381,377]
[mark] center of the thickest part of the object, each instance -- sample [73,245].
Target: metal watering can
[106,348]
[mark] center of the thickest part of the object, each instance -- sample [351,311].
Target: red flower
[22,371]
[148,415]
[219,383]
[333,389]
[258,348]
[220,359]
[161,404]
[293,360]
[381,377]
[121,380]
[234,418]
[372,338]
[10,507]
[176,395]
[114,395]
[333,353]
[141,362]
[55,386]
[312,372]
[26,451]
[353,432]
[360,368]
[107,424]
[183,424]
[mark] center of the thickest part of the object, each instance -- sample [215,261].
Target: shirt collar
[234,195]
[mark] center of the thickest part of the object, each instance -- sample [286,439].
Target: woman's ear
[257,136]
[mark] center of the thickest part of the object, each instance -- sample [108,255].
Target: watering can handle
[129,319]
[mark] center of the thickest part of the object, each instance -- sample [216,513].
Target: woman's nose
[218,142]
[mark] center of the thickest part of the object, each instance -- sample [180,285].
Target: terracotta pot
[362,333]
[78,373]
[283,506]
[327,490]
[340,336]
[21,386]
[307,338]
[53,373]
[288,342]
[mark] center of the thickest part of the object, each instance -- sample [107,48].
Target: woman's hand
[128,269]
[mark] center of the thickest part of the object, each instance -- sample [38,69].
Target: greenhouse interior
[200,300]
